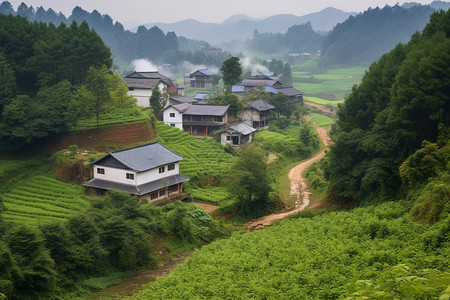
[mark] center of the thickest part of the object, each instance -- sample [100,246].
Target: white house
[140,85]
[173,114]
[149,171]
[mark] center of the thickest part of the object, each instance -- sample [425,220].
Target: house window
[100,171]
[187,118]
[217,119]
[161,169]
[154,196]
[197,118]
[162,193]
[173,188]
[228,138]
[173,125]
[170,167]
[130,176]
[172,115]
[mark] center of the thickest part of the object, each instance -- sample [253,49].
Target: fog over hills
[241,27]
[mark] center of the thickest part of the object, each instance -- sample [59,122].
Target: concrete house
[173,114]
[257,114]
[199,79]
[237,135]
[150,172]
[140,85]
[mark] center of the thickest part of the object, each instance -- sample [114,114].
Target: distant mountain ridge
[241,27]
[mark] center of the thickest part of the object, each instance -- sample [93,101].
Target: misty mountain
[241,27]
[363,38]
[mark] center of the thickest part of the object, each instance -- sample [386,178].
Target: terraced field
[42,199]
[203,159]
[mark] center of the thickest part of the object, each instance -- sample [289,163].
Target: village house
[199,79]
[295,95]
[260,82]
[151,172]
[237,135]
[173,114]
[140,85]
[257,114]
[198,119]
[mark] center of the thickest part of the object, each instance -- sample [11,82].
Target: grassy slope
[320,257]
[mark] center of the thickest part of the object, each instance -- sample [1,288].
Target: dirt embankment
[299,188]
[118,135]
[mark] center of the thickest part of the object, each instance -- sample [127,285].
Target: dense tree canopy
[402,101]
[231,71]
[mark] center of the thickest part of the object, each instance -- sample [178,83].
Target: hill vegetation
[372,252]
[363,38]
[401,102]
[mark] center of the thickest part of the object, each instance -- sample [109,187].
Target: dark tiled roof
[182,107]
[137,190]
[241,128]
[259,82]
[141,83]
[183,99]
[151,75]
[207,110]
[206,72]
[141,158]
[260,105]
[290,91]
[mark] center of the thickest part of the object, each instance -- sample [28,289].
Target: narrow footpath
[299,187]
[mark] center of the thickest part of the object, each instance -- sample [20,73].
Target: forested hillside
[152,44]
[403,100]
[363,38]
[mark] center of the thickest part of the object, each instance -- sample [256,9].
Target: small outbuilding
[237,135]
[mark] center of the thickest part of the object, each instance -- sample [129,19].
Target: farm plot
[41,199]
[202,157]
[215,194]
[321,120]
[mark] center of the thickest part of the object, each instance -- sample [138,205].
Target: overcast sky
[214,11]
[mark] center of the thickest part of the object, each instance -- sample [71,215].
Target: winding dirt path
[298,186]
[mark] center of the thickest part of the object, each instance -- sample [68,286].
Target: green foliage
[203,158]
[316,256]
[387,117]
[298,39]
[117,115]
[158,99]
[31,204]
[363,38]
[236,105]
[250,183]
[231,71]
[316,181]
[321,120]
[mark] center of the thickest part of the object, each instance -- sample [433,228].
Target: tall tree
[98,84]
[250,182]
[158,99]
[231,71]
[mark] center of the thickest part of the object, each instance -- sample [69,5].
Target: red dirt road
[298,187]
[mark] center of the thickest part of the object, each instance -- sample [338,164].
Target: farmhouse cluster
[151,171]
[193,115]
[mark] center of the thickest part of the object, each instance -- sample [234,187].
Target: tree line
[125,45]
[51,77]
[402,101]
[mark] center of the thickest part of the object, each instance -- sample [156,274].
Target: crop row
[217,195]
[40,196]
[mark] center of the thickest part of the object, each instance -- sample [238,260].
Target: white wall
[143,95]
[153,174]
[119,175]
[115,175]
[177,120]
